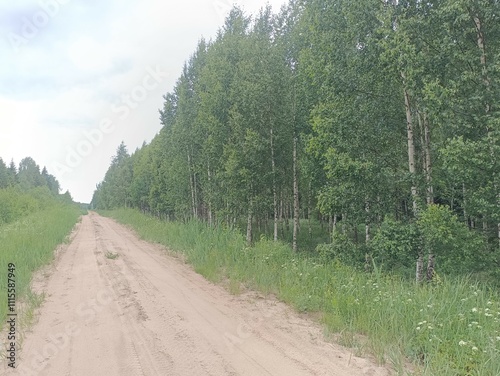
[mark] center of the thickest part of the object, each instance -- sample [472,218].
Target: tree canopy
[375,116]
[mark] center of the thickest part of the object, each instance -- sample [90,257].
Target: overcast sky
[79,76]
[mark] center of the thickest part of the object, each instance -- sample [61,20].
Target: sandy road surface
[147,313]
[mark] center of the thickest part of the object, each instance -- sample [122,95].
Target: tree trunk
[209,173]
[275,194]
[412,170]
[192,187]
[295,195]
[309,209]
[487,83]
[195,185]
[430,267]
[420,267]
[249,224]
[367,222]
[411,150]
[427,161]
[464,204]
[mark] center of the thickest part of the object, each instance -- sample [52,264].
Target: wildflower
[474,348]
[489,302]
[430,327]
[418,327]
[488,314]
[462,343]
[498,338]
[474,309]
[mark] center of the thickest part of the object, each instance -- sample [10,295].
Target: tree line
[26,189]
[378,117]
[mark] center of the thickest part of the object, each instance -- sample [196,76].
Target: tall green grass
[29,243]
[451,327]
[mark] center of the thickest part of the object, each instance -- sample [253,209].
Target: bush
[457,249]
[15,204]
[395,245]
[342,249]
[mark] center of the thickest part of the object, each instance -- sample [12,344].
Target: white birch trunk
[295,195]
[275,195]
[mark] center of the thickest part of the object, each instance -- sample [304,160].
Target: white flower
[474,348]
[462,343]
[418,327]
[474,309]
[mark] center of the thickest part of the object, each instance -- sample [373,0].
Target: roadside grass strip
[29,243]
[451,327]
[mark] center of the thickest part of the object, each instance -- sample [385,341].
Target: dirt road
[147,313]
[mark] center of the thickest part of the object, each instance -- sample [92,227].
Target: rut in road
[145,312]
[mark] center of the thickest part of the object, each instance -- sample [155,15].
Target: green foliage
[395,245]
[14,204]
[457,248]
[389,106]
[343,249]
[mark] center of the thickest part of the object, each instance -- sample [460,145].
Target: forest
[376,121]
[25,190]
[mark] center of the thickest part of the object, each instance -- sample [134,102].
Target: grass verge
[448,328]
[29,243]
